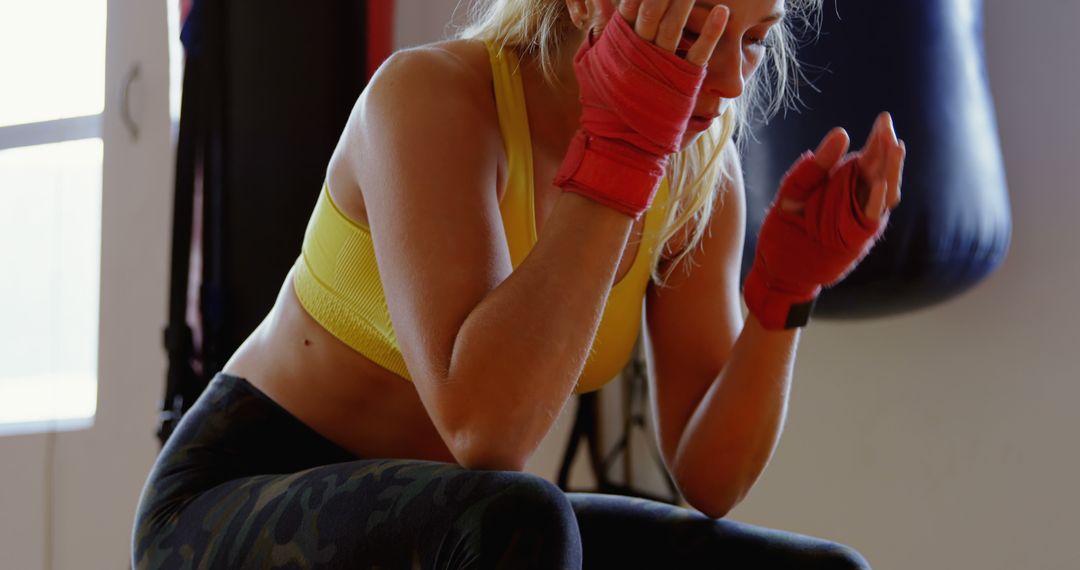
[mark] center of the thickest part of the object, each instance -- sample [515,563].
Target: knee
[525,521]
[840,557]
[525,502]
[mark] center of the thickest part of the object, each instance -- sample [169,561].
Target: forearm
[734,429]
[520,351]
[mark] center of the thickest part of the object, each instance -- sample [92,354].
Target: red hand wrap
[636,100]
[797,254]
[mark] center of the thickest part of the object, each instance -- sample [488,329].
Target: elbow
[711,495]
[491,463]
[486,454]
[483,434]
[710,506]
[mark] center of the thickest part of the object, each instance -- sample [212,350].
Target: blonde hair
[538,28]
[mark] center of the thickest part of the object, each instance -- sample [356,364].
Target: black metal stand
[586,426]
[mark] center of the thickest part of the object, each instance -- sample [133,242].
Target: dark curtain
[268,87]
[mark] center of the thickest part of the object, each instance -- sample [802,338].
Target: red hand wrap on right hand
[799,253]
[636,100]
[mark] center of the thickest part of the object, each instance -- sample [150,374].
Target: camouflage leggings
[244,484]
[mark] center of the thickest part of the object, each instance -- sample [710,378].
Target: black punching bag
[923,62]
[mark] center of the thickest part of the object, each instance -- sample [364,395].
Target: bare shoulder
[433,101]
[459,69]
[421,97]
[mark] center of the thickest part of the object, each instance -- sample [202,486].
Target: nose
[724,77]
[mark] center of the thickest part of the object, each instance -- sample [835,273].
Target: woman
[451,297]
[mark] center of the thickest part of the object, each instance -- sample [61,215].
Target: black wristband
[798,315]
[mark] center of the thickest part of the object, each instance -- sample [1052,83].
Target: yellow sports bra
[337,280]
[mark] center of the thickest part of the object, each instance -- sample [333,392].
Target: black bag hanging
[922,61]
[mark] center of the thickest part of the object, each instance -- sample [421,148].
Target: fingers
[663,23]
[884,162]
[891,162]
[648,18]
[873,140]
[670,30]
[882,158]
[702,50]
[880,167]
[894,172]
[600,11]
[879,142]
[832,148]
[628,9]
[606,8]
[875,206]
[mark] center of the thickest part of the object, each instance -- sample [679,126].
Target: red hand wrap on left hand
[798,253]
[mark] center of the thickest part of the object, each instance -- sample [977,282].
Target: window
[52,68]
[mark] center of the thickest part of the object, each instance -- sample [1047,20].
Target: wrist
[611,172]
[778,307]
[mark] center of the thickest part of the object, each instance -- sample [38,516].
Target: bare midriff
[335,390]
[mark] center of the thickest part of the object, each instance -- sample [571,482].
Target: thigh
[626,532]
[385,513]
